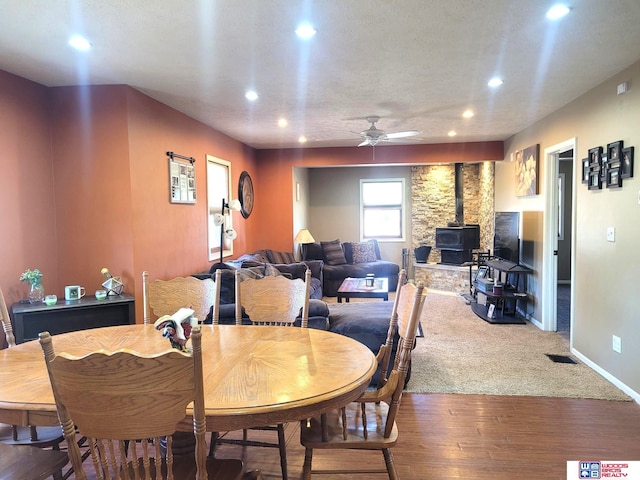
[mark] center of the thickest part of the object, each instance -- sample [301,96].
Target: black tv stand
[505,301]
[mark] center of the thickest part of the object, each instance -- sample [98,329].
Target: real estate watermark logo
[589,470]
[603,469]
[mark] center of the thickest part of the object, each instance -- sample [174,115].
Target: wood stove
[457,243]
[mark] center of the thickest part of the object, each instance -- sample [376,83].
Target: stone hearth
[448,278]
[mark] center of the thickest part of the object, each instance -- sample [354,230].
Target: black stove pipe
[459,192]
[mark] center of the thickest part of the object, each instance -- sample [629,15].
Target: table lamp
[303,238]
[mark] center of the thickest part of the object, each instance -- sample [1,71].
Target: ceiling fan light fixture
[372,135]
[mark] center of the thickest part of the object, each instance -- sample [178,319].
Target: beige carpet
[462,353]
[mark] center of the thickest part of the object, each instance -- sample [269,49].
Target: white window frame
[401,207]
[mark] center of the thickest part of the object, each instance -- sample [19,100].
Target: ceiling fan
[372,135]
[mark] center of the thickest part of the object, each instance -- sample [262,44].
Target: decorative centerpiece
[36,290]
[176,327]
[113,285]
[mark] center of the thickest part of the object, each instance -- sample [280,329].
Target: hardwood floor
[480,437]
[445,437]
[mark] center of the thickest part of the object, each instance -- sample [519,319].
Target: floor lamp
[304,238]
[220,219]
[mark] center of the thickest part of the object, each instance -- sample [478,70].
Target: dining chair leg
[391,467]
[212,445]
[306,469]
[283,451]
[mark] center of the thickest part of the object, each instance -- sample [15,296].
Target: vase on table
[36,293]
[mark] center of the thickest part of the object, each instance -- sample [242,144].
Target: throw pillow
[271,271]
[333,253]
[280,257]
[363,252]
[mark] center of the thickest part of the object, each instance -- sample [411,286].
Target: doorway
[565,216]
[558,251]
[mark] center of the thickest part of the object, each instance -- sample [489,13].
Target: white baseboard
[625,388]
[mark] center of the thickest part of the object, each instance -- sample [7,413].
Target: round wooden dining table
[253,375]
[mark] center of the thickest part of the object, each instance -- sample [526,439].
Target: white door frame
[549,278]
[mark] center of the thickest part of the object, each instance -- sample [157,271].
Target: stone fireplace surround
[434,205]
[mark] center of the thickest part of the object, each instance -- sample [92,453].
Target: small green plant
[33,277]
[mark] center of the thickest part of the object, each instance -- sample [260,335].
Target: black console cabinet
[68,316]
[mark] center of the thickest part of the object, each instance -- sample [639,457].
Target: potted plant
[36,290]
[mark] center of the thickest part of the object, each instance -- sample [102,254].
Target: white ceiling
[418,64]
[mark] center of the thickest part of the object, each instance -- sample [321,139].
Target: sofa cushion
[280,257]
[363,252]
[261,256]
[314,251]
[367,322]
[333,253]
[348,250]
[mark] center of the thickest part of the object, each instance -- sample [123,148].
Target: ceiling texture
[418,64]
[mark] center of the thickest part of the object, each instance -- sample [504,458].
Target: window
[382,209]
[218,187]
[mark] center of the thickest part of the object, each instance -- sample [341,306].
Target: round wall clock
[245,194]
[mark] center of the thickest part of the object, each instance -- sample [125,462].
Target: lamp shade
[304,236]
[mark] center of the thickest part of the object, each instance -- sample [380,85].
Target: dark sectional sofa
[336,269]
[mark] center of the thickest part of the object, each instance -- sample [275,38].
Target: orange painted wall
[110,145]
[92,186]
[27,220]
[86,185]
[274,200]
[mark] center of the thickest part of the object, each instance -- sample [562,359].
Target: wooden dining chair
[42,437]
[166,297]
[275,301]
[369,422]
[30,463]
[128,405]
[383,357]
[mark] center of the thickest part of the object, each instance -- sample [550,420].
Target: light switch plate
[611,234]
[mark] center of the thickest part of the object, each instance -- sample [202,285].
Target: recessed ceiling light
[302,139]
[557,11]
[495,82]
[468,114]
[251,95]
[452,133]
[79,43]
[282,122]
[306,31]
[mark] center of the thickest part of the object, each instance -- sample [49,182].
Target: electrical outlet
[616,344]
[611,234]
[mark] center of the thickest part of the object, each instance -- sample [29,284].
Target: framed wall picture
[614,179]
[182,179]
[526,166]
[614,151]
[218,188]
[595,157]
[595,180]
[585,170]
[626,163]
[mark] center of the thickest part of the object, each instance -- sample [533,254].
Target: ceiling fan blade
[408,133]
[365,142]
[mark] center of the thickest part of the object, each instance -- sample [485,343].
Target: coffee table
[356,288]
